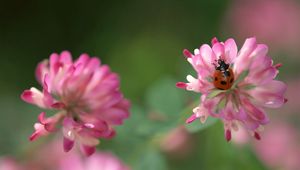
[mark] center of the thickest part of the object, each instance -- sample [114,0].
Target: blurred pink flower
[51,157]
[85,93]
[235,86]
[177,143]
[7,163]
[280,147]
[277,22]
[98,161]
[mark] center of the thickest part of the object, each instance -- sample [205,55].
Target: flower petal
[255,112]
[34,96]
[230,50]
[243,58]
[65,57]
[219,51]
[39,131]
[191,118]
[88,150]
[41,70]
[207,57]
[68,144]
[270,94]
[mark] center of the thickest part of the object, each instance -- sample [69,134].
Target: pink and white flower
[253,89]
[86,95]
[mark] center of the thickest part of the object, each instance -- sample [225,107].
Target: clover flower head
[236,86]
[86,95]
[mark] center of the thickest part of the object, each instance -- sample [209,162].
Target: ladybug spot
[223,82]
[231,80]
[216,78]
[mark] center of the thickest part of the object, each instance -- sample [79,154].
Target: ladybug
[223,76]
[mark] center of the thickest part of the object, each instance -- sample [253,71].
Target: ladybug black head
[222,66]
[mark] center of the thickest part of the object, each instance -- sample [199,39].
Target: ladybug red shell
[223,76]
[223,80]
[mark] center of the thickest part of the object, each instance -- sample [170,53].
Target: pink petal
[207,57]
[181,85]
[260,51]
[230,50]
[34,96]
[278,65]
[228,135]
[88,150]
[102,83]
[114,116]
[255,112]
[243,58]
[214,41]
[27,96]
[93,64]
[270,94]
[247,120]
[107,101]
[250,123]
[50,127]
[48,100]
[39,131]
[33,136]
[65,57]
[218,50]
[41,118]
[262,77]
[257,136]
[68,144]
[83,59]
[58,105]
[261,71]
[191,118]
[187,53]
[68,123]
[54,64]
[111,134]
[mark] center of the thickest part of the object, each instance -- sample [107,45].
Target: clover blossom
[86,96]
[236,86]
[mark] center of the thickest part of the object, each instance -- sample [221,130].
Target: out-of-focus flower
[276,22]
[50,157]
[98,161]
[85,93]
[280,148]
[235,86]
[177,143]
[9,164]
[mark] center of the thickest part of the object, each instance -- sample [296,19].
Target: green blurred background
[140,40]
